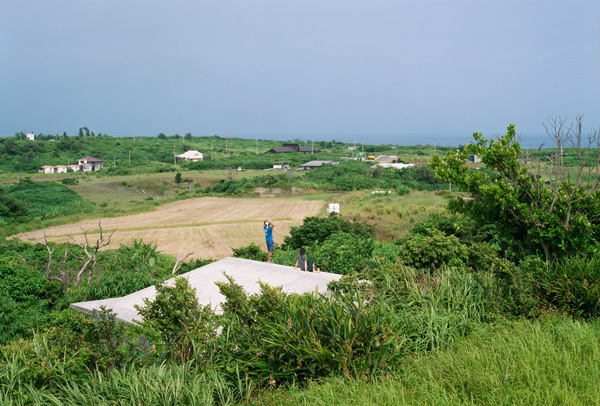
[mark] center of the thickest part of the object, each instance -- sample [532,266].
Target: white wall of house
[191,155]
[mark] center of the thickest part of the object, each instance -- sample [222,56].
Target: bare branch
[23,261]
[177,263]
[90,258]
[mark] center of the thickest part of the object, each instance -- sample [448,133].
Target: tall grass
[430,310]
[547,362]
[163,384]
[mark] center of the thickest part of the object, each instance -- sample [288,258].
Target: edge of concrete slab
[244,272]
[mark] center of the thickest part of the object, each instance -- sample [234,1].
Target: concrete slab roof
[244,272]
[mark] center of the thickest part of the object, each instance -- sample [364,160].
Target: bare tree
[90,257]
[178,263]
[230,172]
[62,276]
[586,175]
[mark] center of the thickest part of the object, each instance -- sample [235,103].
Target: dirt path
[210,226]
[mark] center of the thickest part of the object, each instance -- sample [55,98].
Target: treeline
[17,154]
[345,176]
[20,155]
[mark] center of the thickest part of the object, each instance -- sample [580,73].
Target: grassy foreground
[546,362]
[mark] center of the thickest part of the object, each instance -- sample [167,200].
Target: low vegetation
[459,305]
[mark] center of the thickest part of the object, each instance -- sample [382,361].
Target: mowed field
[209,226]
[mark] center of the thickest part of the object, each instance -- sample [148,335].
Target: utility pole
[114,161]
[174,159]
[129,157]
[133,135]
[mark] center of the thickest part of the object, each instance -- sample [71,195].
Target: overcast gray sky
[284,68]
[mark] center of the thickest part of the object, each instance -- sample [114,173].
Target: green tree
[317,229]
[558,219]
[178,178]
[181,322]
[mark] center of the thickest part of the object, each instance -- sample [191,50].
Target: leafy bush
[570,285]
[278,338]
[25,297]
[250,310]
[317,229]
[403,190]
[252,251]
[433,250]
[386,251]
[313,337]
[70,181]
[344,253]
[181,323]
[573,285]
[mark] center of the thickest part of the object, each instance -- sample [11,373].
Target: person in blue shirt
[268,226]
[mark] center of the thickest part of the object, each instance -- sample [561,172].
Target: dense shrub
[69,181]
[276,338]
[433,250]
[317,229]
[313,337]
[25,297]
[343,253]
[252,251]
[181,323]
[430,309]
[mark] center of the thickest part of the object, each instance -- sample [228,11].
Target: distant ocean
[527,141]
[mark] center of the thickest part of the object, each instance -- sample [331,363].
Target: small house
[30,136]
[60,169]
[89,163]
[289,147]
[281,166]
[47,169]
[317,164]
[191,155]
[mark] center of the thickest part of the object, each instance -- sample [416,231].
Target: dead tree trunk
[90,257]
[62,277]
[177,263]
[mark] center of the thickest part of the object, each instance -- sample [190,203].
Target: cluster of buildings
[85,164]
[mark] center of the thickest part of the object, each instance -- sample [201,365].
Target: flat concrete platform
[244,272]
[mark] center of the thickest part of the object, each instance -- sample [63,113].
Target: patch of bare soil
[209,226]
